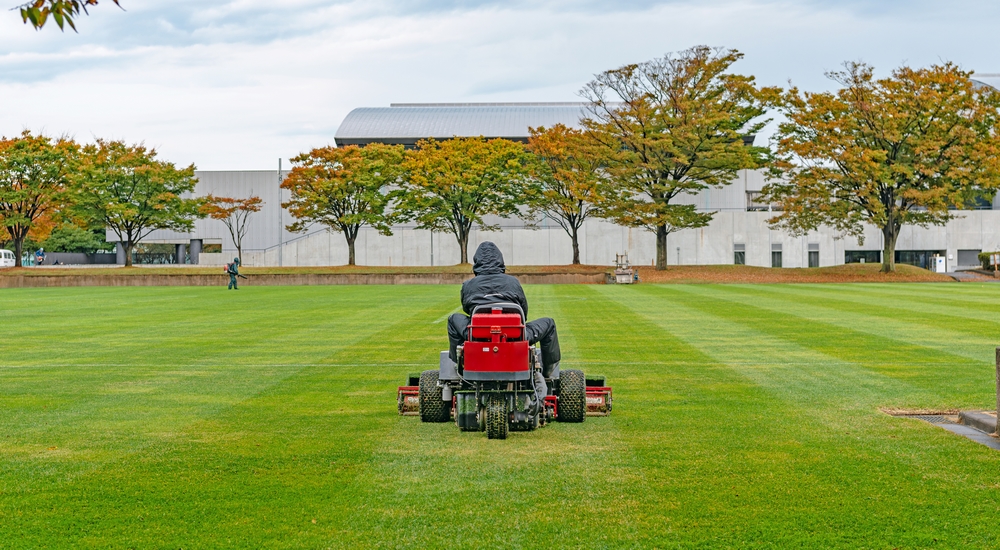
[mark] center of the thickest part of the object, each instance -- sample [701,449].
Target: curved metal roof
[405,123]
[991,80]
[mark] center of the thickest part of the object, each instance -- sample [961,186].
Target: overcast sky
[240,83]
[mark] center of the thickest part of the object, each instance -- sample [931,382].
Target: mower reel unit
[492,386]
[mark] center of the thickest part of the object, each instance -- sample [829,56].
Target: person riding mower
[492,285]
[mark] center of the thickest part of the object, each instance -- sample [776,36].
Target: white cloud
[243,82]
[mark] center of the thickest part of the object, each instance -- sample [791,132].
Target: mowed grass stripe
[77,394]
[863,455]
[545,485]
[949,318]
[127,401]
[930,328]
[975,297]
[270,425]
[241,325]
[852,339]
[688,422]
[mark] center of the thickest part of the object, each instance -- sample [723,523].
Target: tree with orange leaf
[671,127]
[234,213]
[566,178]
[903,150]
[344,188]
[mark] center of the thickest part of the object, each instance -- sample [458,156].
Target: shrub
[984,258]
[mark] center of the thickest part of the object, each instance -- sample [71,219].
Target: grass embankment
[745,416]
[849,273]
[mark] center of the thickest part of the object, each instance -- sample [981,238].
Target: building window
[862,257]
[756,203]
[814,255]
[775,255]
[739,254]
[920,258]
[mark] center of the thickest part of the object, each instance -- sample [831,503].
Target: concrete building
[739,232]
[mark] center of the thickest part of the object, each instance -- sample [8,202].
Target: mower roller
[491,388]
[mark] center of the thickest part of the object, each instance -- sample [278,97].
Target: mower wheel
[572,396]
[496,417]
[432,408]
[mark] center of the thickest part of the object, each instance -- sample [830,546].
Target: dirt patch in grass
[848,273]
[892,411]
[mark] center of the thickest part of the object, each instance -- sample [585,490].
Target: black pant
[540,330]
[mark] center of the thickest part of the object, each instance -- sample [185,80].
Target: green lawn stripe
[949,299]
[953,329]
[185,446]
[916,363]
[913,447]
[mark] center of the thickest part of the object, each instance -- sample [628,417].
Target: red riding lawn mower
[492,386]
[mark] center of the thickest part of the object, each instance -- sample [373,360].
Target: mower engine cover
[497,348]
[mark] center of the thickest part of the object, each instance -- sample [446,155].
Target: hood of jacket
[488,260]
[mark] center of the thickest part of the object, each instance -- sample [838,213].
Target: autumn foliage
[672,127]
[345,189]
[451,185]
[567,178]
[901,150]
[234,213]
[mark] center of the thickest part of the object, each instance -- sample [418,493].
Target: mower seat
[497,345]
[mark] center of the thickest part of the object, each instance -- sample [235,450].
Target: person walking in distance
[233,270]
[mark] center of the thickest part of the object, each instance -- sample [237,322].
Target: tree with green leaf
[34,175]
[70,237]
[63,12]
[453,184]
[903,150]
[566,178]
[133,193]
[344,188]
[671,127]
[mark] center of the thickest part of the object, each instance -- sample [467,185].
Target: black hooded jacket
[491,284]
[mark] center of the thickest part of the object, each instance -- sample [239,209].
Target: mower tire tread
[496,418]
[572,396]
[432,408]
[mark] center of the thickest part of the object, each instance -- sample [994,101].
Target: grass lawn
[744,416]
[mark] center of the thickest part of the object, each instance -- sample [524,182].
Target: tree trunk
[239,253]
[350,250]
[661,247]
[463,245]
[576,246]
[462,236]
[18,251]
[889,234]
[128,253]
